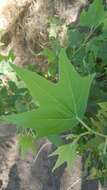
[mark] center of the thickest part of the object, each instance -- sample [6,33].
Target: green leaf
[66,153]
[49,54]
[94,143]
[56,140]
[94,16]
[98,46]
[75,37]
[26,144]
[59,104]
[93,45]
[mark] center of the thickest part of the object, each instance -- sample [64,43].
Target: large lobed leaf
[59,104]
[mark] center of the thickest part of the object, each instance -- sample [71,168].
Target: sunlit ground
[3,22]
[2,2]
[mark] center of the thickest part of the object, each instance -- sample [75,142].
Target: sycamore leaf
[66,153]
[59,104]
[95,14]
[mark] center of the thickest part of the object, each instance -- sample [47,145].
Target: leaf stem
[79,136]
[105,147]
[89,129]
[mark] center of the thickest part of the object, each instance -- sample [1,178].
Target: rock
[8,154]
[72,180]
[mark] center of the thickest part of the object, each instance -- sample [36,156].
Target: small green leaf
[75,38]
[49,54]
[94,16]
[26,144]
[66,153]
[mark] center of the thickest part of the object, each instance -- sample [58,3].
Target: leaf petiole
[89,129]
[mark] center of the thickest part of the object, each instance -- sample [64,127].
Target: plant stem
[105,146]
[89,129]
[84,42]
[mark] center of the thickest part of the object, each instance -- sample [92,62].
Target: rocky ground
[17,173]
